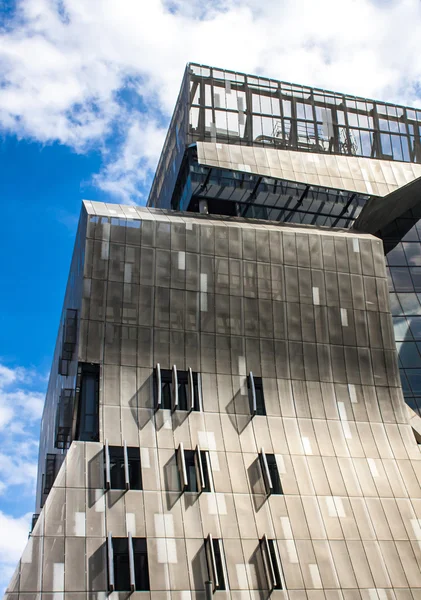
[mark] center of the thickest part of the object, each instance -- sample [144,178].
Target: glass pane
[401,279]
[416,278]
[396,257]
[414,380]
[409,356]
[410,304]
[401,329]
[413,253]
[415,325]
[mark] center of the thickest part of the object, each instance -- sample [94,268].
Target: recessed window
[127,564]
[178,390]
[64,419]
[87,429]
[194,469]
[272,563]
[216,562]
[256,396]
[68,341]
[122,468]
[166,385]
[270,473]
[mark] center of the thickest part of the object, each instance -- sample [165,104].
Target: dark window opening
[256,395]
[168,402]
[117,470]
[183,391]
[215,562]
[275,565]
[197,471]
[122,564]
[68,343]
[166,391]
[50,472]
[141,568]
[64,419]
[273,482]
[35,517]
[87,429]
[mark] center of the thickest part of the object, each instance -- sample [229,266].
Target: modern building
[225,402]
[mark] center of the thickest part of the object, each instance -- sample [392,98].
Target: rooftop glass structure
[225,107]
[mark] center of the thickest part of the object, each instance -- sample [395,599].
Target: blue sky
[86,92]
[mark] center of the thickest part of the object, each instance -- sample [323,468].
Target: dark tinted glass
[88,412]
[183,378]
[191,471]
[121,564]
[183,394]
[274,558]
[260,398]
[219,568]
[166,384]
[193,484]
[206,473]
[135,473]
[118,480]
[117,467]
[141,567]
[409,357]
[274,474]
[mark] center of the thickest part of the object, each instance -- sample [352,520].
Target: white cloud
[20,410]
[21,406]
[127,174]
[13,538]
[84,74]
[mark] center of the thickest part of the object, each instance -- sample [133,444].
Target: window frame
[217,570]
[256,395]
[270,472]
[130,463]
[141,582]
[272,563]
[173,379]
[200,461]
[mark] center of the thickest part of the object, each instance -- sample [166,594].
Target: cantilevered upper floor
[223,107]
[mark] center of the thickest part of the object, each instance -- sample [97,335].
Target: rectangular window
[122,468]
[87,429]
[270,473]
[216,563]
[127,564]
[194,469]
[178,390]
[256,396]
[64,419]
[50,472]
[272,563]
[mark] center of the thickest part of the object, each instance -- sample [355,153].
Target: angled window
[256,396]
[122,467]
[194,470]
[127,564]
[216,562]
[270,473]
[177,390]
[163,385]
[272,563]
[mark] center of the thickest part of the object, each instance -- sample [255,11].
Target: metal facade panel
[300,307]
